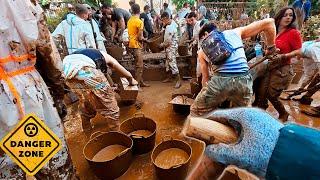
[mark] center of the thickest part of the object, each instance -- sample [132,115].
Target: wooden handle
[210,131]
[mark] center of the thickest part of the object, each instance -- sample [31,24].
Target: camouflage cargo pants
[99,99]
[171,62]
[237,89]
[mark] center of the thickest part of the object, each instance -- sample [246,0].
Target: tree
[179,3]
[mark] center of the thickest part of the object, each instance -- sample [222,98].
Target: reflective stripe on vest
[6,76]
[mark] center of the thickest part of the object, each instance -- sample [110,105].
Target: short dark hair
[185,4]
[207,28]
[146,7]
[191,15]
[106,6]
[165,14]
[81,9]
[135,8]
[280,15]
[165,5]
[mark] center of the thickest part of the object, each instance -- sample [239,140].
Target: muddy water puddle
[140,133]
[108,153]
[171,157]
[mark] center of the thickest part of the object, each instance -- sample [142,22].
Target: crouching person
[84,73]
[231,80]
[170,44]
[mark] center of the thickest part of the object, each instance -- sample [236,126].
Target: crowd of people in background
[88,32]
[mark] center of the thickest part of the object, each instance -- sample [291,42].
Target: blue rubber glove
[258,135]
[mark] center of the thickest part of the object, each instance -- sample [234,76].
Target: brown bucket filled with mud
[115,51]
[171,159]
[154,43]
[142,130]
[183,50]
[109,154]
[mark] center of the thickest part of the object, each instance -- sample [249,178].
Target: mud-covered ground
[155,106]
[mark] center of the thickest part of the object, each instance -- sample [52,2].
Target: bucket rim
[135,117]
[186,162]
[103,133]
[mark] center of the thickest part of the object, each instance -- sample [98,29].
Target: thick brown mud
[155,106]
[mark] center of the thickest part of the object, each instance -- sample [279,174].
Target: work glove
[258,135]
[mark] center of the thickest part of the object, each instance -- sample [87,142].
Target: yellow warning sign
[31,144]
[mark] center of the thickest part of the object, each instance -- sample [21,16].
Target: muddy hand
[132,81]
[258,136]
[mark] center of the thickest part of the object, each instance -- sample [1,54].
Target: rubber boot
[86,125]
[139,78]
[177,81]
[168,77]
[305,100]
[284,116]
[144,84]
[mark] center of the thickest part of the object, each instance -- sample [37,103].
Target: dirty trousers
[273,84]
[171,62]
[222,87]
[100,99]
[137,54]
[313,86]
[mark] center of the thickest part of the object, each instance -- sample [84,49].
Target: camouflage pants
[237,89]
[171,62]
[96,100]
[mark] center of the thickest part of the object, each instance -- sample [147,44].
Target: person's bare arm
[266,25]
[294,53]
[204,68]
[140,35]
[113,25]
[120,69]
[122,24]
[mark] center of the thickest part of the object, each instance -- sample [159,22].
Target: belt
[232,74]
[6,76]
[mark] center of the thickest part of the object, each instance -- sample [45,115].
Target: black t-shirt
[119,13]
[146,22]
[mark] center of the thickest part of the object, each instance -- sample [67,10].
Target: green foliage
[311,29]
[53,22]
[179,3]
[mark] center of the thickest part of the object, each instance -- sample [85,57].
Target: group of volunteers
[30,63]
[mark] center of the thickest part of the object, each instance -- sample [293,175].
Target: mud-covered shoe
[177,81]
[143,84]
[312,111]
[168,78]
[284,116]
[305,100]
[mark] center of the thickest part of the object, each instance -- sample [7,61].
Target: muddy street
[155,106]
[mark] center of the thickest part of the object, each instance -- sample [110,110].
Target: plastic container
[258,50]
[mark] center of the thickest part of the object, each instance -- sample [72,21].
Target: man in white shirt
[75,30]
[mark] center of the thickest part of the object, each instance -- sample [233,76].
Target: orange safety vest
[6,76]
